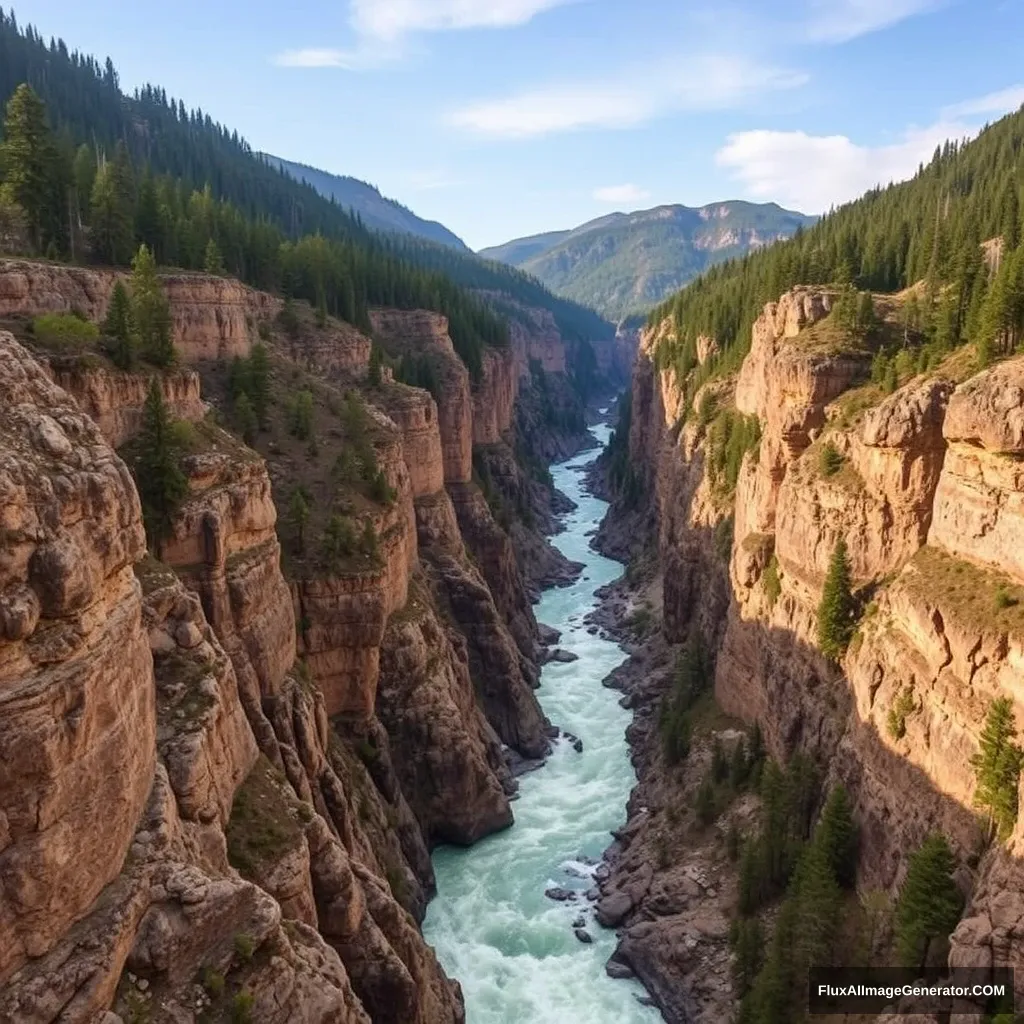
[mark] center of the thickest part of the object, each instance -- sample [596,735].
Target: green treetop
[836,610]
[929,903]
[997,767]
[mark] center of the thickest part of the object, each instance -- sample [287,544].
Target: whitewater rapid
[513,949]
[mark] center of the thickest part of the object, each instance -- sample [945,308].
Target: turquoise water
[512,948]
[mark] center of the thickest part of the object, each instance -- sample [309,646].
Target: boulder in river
[561,655]
[556,892]
[583,935]
[617,969]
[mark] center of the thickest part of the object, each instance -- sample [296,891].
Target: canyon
[225,763]
[923,485]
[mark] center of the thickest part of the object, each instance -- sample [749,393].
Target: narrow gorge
[227,760]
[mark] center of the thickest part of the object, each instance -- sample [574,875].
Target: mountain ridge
[624,263]
[377,211]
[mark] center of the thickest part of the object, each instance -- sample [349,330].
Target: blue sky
[503,118]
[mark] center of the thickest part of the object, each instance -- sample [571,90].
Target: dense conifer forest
[88,174]
[931,228]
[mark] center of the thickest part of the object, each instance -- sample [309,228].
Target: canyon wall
[211,317]
[924,487]
[251,769]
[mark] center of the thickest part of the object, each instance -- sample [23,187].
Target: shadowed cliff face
[925,496]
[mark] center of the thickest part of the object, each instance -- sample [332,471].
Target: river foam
[512,948]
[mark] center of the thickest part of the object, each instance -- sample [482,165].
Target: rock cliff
[211,317]
[923,486]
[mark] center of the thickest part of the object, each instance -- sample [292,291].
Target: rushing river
[512,948]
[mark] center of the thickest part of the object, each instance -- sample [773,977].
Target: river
[512,948]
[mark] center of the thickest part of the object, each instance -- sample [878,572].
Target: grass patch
[262,827]
[983,599]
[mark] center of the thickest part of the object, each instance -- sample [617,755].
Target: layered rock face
[76,708]
[494,397]
[926,498]
[122,735]
[114,400]
[421,333]
[211,317]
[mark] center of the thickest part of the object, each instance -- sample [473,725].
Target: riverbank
[671,885]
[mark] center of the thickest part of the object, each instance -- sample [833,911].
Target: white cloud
[390,19]
[382,26]
[994,103]
[836,21]
[621,194]
[813,172]
[706,82]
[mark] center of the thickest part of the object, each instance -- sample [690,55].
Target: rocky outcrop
[979,507]
[424,334]
[115,399]
[426,701]
[924,489]
[494,397]
[124,742]
[76,708]
[211,317]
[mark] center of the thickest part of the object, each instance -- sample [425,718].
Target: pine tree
[27,157]
[747,939]
[119,326]
[819,902]
[259,383]
[151,310]
[929,902]
[705,802]
[299,508]
[213,262]
[997,767]
[301,415]
[112,210]
[161,484]
[836,610]
[837,835]
[374,372]
[245,418]
[369,542]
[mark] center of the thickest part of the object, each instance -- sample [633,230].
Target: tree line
[195,180]
[930,228]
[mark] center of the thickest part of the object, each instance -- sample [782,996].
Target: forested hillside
[89,173]
[366,201]
[625,263]
[931,228]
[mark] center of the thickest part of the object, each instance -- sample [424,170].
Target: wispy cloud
[382,27]
[706,82]
[390,19]
[814,172]
[836,21]
[621,194]
[999,102]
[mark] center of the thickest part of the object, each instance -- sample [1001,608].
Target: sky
[505,118]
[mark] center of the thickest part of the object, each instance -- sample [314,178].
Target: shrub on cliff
[162,485]
[830,461]
[836,610]
[929,903]
[997,767]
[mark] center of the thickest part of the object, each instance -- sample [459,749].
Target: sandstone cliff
[923,487]
[211,317]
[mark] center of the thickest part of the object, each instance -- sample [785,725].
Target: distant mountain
[376,211]
[625,263]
